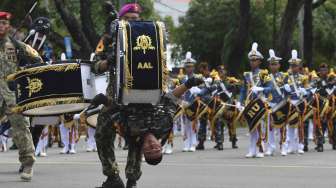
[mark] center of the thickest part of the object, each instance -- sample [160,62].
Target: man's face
[274,66]
[295,68]
[152,148]
[4,27]
[324,72]
[131,17]
[255,63]
[189,69]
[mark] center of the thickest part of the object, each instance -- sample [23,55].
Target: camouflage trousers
[202,130]
[219,133]
[20,128]
[105,137]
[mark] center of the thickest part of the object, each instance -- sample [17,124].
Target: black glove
[12,85]
[194,81]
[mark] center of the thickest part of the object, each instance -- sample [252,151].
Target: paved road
[205,169]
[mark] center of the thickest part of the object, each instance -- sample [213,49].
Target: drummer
[275,95]
[10,61]
[252,88]
[296,89]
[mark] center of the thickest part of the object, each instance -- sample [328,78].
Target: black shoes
[219,146]
[334,147]
[200,146]
[319,148]
[131,184]
[113,182]
[234,145]
[305,148]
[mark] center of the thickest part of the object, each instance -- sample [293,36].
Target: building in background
[173,8]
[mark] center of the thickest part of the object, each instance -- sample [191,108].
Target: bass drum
[54,89]
[92,117]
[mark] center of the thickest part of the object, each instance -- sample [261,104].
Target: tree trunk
[308,33]
[238,47]
[288,22]
[87,23]
[74,28]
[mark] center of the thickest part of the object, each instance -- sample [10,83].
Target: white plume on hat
[273,57]
[189,59]
[254,53]
[294,57]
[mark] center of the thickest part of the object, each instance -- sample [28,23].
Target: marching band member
[296,88]
[190,130]
[11,61]
[325,89]
[205,95]
[4,130]
[228,89]
[252,88]
[69,134]
[275,96]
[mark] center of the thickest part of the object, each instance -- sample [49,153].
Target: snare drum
[195,110]
[141,67]
[54,89]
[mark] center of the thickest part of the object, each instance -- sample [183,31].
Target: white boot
[72,150]
[169,149]
[65,149]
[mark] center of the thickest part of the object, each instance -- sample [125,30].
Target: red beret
[5,15]
[130,8]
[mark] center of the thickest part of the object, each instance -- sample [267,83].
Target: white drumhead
[101,83]
[56,109]
[92,120]
[88,82]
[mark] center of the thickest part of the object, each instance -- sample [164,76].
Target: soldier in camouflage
[13,55]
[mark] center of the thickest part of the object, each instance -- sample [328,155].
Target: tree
[288,23]
[241,38]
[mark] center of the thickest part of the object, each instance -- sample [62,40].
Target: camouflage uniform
[12,56]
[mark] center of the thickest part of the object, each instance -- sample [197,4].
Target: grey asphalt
[204,169]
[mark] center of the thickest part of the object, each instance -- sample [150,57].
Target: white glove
[302,91]
[313,90]
[287,88]
[76,117]
[239,106]
[256,89]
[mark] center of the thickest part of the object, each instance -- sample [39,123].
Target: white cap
[273,57]
[188,60]
[254,53]
[294,59]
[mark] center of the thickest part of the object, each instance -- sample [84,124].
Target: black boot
[319,148]
[234,144]
[113,182]
[131,184]
[305,148]
[334,147]
[220,147]
[60,144]
[21,169]
[200,145]
[216,146]
[13,147]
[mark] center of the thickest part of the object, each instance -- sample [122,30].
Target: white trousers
[293,144]
[65,136]
[43,142]
[190,135]
[91,142]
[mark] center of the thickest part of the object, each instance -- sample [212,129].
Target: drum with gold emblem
[254,112]
[54,89]
[141,75]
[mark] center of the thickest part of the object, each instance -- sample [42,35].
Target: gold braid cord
[165,71]
[47,102]
[128,75]
[36,70]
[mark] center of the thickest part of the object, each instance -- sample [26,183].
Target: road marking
[123,163]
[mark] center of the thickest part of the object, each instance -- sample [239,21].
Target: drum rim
[48,102]
[43,68]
